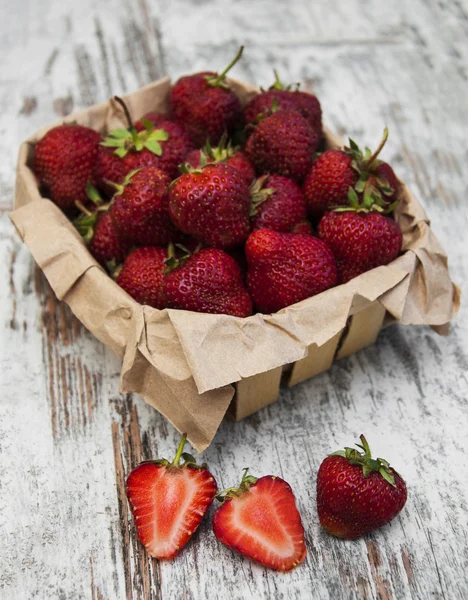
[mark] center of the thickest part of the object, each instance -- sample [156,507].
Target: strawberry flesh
[168,503]
[263,524]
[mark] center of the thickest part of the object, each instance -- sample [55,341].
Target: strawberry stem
[277,85]
[126,111]
[180,449]
[370,160]
[83,208]
[218,79]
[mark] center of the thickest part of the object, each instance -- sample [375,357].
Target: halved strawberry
[169,501]
[260,520]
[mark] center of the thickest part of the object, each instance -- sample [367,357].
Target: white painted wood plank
[67,438]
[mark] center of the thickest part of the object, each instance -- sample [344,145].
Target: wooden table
[68,439]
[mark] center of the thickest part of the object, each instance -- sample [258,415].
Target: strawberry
[142,276]
[359,238]
[205,105]
[284,144]
[277,203]
[328,182]
[223,152]
[139,209]
[357,493]
[279,97]
[125,150]
[260,520]
[303,227]
[168,501]
[208,281]
[64,161]
[211,204]
[98,231]
[285,268]
[335,171]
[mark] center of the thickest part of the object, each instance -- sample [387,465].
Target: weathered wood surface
[67,439]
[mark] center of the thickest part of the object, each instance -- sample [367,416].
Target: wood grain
[68,439]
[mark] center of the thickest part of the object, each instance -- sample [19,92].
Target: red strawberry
[205,105]
[168,501]
[142,276]
[139,209]
[360,240]
[277,203]
[335,171]
[356,493]
[260,520]
[208,281]
[283,144]
[303,227]
[279,97]
[98,231]
[155,118]
[224,152]
[285,268]
[125,150]
[211,204]
[328,181]
[64,161]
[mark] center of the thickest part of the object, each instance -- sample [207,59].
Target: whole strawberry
[276,203]
[139,210]
[209,281]
[281,97]
[260,520]
[211,204]
[223,152]
[98,231]
[205,105]
[335,171]
[142,276]
[163,146]
[169,501]
[357,493]
[283,144]
[64,162]
[285,268]
[360,238]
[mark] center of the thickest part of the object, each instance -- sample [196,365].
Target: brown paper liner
[184,363]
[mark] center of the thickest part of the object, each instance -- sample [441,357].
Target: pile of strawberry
[220,208]
[356,494]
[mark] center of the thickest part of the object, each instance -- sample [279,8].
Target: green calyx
[220,80]
[365,460]
[178,255]
[279,85]
[374,190]
[189,460]
[119,187]
[85,223]
[258,194]
[219,153]
[125,140]
[234,492]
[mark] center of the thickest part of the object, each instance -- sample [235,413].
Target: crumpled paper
[183,363]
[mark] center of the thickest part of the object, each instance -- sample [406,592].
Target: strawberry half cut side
[168,501]
[260,520]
